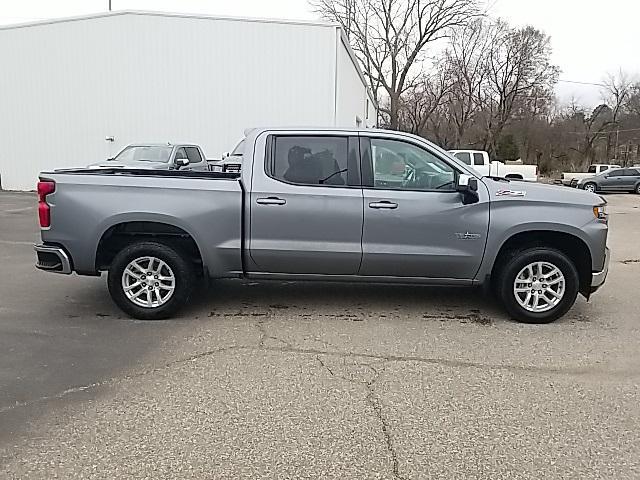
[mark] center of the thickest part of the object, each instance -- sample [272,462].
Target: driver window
[402,166]
[181,154]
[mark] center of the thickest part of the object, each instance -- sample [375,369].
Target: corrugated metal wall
[65,86]
[351,98]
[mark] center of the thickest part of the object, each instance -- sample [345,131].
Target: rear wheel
[150,280]
[538,285]
[590,187]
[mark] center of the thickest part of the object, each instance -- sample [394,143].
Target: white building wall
[65,86]
[352,97]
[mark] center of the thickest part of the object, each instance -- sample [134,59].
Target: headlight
[600,212]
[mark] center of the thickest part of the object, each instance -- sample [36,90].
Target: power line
[609,131]
[577,82]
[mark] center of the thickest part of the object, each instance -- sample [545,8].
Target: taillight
[44,211]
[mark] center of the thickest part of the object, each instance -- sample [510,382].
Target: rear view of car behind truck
[325,205]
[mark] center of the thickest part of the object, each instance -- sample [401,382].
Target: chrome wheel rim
[539,287]
[590,188]
[148,282]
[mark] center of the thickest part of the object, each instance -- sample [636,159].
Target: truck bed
[88,204]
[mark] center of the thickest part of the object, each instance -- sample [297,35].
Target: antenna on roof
[109,5]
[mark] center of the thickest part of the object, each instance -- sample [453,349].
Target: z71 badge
[510,193]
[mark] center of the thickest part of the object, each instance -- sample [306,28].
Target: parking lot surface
[292,380]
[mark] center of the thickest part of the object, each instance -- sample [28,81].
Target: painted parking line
[16,242]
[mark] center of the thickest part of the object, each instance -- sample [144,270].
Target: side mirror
[181,162]
[467,185]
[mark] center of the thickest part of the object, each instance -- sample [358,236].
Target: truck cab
[479,160]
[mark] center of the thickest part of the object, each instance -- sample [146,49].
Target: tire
[131,288]
[566,283]
[637,189]
[590,187]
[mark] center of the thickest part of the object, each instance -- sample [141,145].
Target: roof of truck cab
[466,150]
[307,128]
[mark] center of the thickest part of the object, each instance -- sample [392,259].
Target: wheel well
[515,176]
[572,246]
[119,236]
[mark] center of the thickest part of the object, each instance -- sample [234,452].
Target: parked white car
[572,178]
[480,161]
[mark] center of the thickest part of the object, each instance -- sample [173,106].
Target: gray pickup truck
[166,156]
[332,204]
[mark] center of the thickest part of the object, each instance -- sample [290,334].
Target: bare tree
[390,38]
[616,93]
[589,129]
[520,77]
[420,102]
[466,63]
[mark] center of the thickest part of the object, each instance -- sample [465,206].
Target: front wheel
[538,285]
[590,187]
[150,280]
[637,190]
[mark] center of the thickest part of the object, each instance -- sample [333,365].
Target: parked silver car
[617,180]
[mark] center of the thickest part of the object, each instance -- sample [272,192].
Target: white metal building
[67,85]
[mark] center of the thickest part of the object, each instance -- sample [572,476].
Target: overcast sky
[589,37]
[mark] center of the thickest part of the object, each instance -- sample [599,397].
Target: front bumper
[52,259]
[598,278]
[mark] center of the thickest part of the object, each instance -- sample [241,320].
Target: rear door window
[464,157]
[478,159]
[310,160]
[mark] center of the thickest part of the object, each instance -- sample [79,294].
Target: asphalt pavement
[294,380]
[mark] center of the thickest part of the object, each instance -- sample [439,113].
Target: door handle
[271,201]
[383,204]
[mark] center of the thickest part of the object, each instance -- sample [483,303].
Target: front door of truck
[306,209]
[415,224]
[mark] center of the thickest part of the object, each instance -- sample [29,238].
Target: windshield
[158,153]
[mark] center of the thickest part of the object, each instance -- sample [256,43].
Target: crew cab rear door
[415,224]
[306,205]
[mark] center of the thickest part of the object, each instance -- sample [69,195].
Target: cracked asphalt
[292,380]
